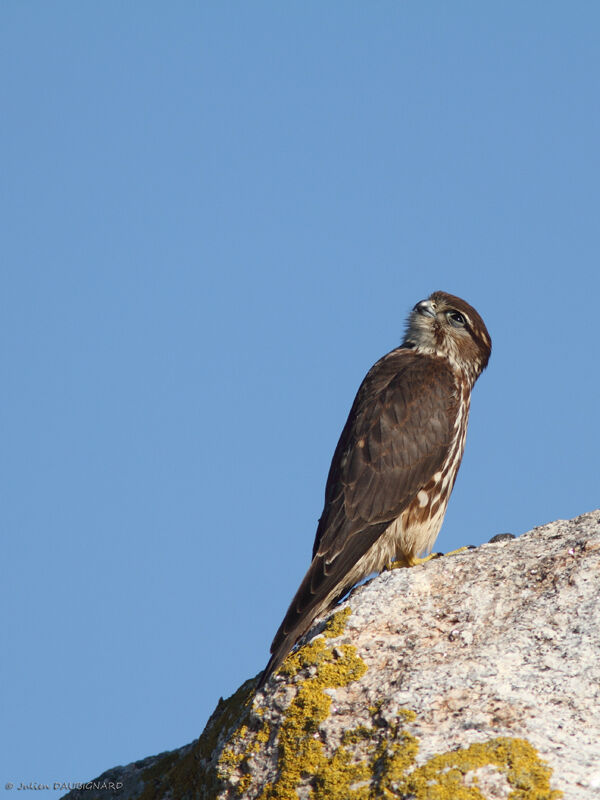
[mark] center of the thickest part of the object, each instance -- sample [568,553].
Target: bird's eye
[455,318]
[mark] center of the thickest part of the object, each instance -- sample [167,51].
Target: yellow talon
[414,562]
[459,550]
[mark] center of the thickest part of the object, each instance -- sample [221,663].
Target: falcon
[396,461]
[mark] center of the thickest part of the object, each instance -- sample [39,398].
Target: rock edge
[475,675]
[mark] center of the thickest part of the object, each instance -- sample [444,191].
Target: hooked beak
[425,307]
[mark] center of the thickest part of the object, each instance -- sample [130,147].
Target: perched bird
[396,461]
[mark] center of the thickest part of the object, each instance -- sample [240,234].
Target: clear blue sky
[215,217]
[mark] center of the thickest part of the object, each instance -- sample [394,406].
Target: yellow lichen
[242,744]
[336,624]
[443,776]
[380,761]
[370,762]
[301,751]
[194,773]
[391,763]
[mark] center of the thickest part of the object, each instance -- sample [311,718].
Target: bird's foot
[414,562]
[462,549]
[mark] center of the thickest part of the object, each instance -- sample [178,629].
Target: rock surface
[474,676]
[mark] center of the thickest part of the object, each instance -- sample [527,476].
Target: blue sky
[215,218]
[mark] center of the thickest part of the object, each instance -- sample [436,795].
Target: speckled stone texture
[503,640]
[482,680]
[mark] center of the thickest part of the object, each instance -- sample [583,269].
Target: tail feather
[322,586]
[273,664]
[285,639]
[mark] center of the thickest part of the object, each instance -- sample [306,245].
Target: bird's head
[446,326]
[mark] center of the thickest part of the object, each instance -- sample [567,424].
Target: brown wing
[396,436]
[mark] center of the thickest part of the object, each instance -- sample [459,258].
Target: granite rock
[473,676]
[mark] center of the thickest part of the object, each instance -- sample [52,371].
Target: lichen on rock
[369,761]
[474,677]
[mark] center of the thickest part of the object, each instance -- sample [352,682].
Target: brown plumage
[396,461]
